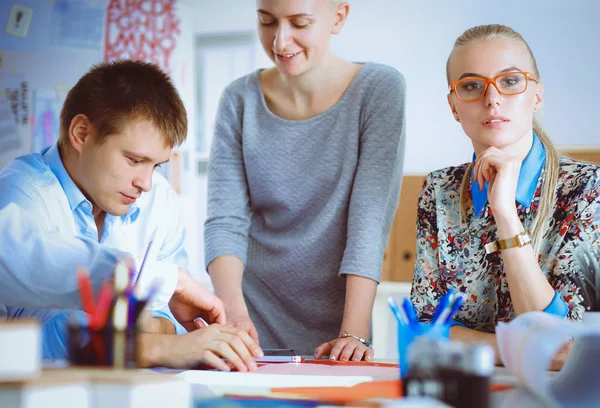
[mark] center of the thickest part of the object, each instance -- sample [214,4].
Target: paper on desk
[529,342]
[376,372]
[286,375]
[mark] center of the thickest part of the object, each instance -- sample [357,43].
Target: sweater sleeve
[228,219]
[378,177]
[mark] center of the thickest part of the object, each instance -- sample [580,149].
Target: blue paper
[78,23]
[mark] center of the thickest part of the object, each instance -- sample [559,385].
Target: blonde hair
[551,167]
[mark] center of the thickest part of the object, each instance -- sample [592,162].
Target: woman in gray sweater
[304,177]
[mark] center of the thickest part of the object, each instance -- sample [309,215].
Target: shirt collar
[73,193]
[529,174]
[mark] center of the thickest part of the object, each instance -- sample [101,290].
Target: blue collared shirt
[41,187]
[25,284]
[531,168]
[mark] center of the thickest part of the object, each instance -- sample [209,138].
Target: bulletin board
[47,45]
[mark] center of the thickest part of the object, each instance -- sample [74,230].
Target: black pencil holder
[105,347]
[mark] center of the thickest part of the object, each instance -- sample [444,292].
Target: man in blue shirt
[118,124]
[25,284]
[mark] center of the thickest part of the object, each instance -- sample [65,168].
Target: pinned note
[19,21]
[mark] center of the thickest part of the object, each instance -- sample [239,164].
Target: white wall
[416,38]
[205,17]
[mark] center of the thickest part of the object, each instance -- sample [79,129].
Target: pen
[409,310]
[200,323]
[396,310]
[119,326]
[145,256]
[121,278]
[458,302]
[449,310]
[444,302]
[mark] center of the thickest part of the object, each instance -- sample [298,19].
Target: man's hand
[192,300]
[211,345]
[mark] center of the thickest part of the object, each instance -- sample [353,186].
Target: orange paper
[389,389]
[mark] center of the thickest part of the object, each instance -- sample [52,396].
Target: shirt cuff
[165,313]
[457,323]
[163,273]
[558,306]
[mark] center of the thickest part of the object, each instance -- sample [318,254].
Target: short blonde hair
[551,167]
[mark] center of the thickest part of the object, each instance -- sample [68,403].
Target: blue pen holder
[408,333]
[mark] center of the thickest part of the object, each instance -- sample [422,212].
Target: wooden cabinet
[399,258]
[586,154]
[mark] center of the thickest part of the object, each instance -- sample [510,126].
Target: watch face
[491,247]
[524,238]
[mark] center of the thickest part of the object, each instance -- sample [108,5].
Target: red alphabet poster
[143,30]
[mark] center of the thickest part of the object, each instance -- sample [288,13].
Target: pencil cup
[105,347]
[407,334]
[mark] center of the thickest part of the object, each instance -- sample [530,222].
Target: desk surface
[510,398]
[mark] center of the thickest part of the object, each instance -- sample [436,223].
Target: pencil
[86,293]
[145,256]
[105,299]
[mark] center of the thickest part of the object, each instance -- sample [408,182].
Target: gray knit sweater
[302,203]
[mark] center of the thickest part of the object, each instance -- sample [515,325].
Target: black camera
[456,373]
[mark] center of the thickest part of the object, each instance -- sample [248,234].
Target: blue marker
[458,302]
[399,316]
[409,310]
[445,301]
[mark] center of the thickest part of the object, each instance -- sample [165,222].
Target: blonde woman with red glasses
[503,229]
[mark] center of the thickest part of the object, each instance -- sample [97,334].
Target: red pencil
[86,292]
[103,306]
[501,387]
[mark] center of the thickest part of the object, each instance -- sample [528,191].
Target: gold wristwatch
[519,240]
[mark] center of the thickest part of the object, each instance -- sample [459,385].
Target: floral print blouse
[452,256]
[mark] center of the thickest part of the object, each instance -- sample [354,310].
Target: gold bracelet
[363,341]
[519,240]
